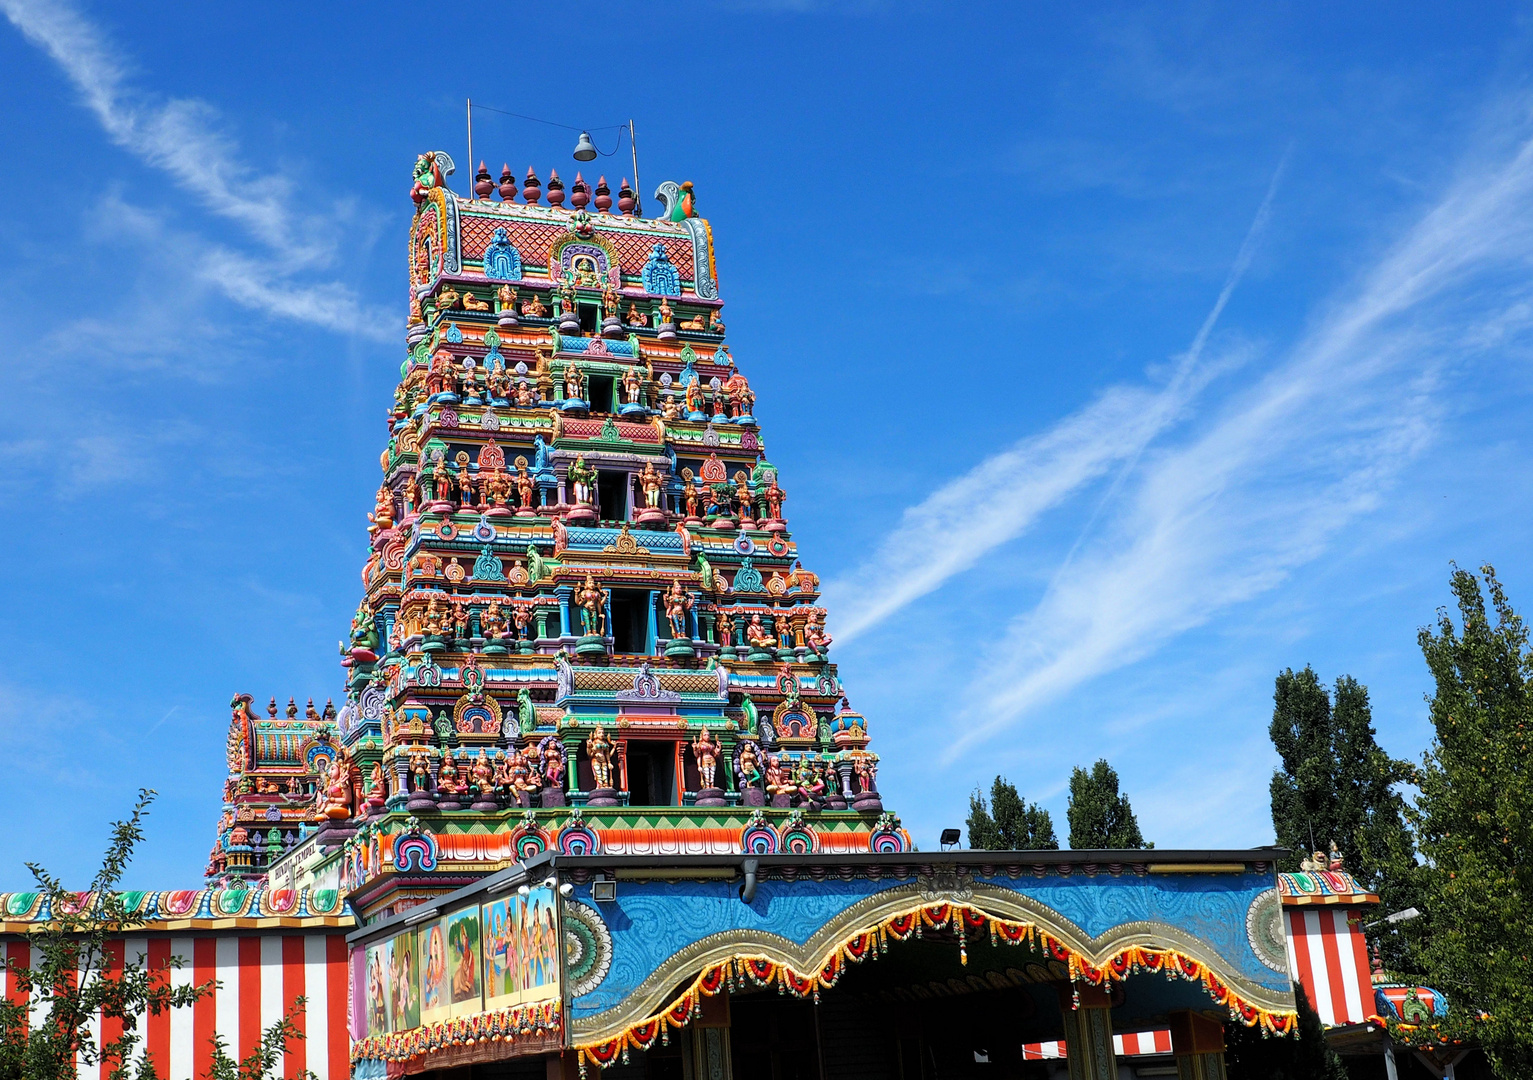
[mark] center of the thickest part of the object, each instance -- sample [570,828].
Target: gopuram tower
[584,625]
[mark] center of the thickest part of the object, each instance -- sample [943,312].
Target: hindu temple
[589,794]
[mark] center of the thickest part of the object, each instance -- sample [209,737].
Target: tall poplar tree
[1336,785]
[1099,816]
[1474,822]
[1009,822]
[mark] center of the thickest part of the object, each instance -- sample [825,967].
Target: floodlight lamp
[1403,916]
[950,837]
[585,150]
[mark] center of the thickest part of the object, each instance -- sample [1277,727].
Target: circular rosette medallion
[587,948]
[1264,929]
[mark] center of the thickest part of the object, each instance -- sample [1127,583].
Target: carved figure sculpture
[590,599]
[582,477]
[599,749]
[534,307]
[635,317]
[677,604]
[705,749]
[758,635]
[650,484]
[572,387]
[337,797]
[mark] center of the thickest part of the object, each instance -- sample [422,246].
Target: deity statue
[590,599]
[553,764]
[690,495]
[447,299]
[525,396]
[815,633]
[706,750]
[758,635]
[535,307]
[582,476]
[697,401]
[670,409]
[460,624]
[726,627]
[779,780]
[744,496]
[741,399]
[420,772]
[677,604]
[599,749]
[807,778]
[465,480]
[448,781]
[775,497]
[651,484]
[335,802]
[633,386]
[526,713]
[635,317]
[492,624]
[435,616]
[505,298]
[610,301]
[483,776]
[572,385]
[666,314]
[473,303]
[715,324]
[521,617]
[382,516]
[503,780]
[525,488]
[866,771]
[749,765]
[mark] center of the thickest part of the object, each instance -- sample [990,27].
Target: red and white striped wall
[259,976]
[1329,956]
[1137,1044]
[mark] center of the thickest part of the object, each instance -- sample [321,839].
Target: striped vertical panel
[1136,1044]
[259,976]
[1329,957]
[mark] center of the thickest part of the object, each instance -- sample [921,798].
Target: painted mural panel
[436,991]
[521,949]
[463,962]
[380,1007]
[404,978]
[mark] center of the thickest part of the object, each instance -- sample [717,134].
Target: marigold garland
[762,971]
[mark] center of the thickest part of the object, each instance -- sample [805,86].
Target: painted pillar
[628,479]
[565,593]
[1198,1044]
[1088,1032]
[651,629]
[710,1039]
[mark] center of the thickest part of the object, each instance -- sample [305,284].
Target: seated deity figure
[635,317]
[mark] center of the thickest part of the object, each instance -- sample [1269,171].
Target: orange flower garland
[864,943]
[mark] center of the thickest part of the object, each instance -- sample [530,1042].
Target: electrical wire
[554,123]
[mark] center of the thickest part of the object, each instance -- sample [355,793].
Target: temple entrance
[651,774]
[630,621]
[612,493]
[601,394]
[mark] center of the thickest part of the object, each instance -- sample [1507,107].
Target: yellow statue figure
[599,748]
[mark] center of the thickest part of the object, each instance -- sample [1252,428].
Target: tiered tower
[584,622]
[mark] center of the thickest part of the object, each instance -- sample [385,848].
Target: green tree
[1009,822]
[1335,785]
[70,980]
[1474,822]
[1248,1055]
[1099,816]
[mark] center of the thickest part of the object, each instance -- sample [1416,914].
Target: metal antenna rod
[470,147]
[638,188]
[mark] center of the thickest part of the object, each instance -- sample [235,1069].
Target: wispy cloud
[1285,466]
[183,138]
[1005,495]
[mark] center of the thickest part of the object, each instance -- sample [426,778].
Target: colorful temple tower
[595,798]
[584,623]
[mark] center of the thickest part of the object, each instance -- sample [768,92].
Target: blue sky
[1114,359]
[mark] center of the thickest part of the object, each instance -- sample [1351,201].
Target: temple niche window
[586,271]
